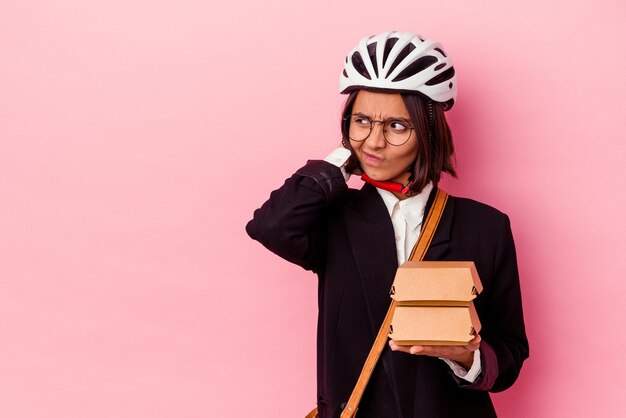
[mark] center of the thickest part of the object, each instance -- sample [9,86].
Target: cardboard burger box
[434,325]
[434,303]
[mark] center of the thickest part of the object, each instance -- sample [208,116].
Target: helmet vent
[445,76]
[371,50]
[401,56]
[441,52]
[357,61]
[388,46]
[416,66]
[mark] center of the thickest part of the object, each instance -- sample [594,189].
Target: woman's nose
[376,139]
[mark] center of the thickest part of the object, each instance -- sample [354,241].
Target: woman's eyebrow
[389,118]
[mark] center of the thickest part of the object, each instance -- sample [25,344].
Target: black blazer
[346,237]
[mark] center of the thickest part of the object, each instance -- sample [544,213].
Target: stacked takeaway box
[434,303]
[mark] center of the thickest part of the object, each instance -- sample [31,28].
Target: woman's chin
[375,174]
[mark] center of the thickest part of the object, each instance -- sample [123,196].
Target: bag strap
[430,226]
[312,414]
[419,250]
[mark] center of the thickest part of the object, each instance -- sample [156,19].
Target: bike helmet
[400,62]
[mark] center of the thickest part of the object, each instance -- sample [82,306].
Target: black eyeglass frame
[383,122]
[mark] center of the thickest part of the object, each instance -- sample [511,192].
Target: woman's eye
[398,126]
[361,121]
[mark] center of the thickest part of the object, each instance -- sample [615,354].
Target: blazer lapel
[372,240]
[441,240]
[373,246]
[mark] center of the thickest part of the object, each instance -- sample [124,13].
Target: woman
[395,133]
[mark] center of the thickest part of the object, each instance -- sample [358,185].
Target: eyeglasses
[395,131]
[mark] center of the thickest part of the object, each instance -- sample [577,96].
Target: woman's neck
[400,186]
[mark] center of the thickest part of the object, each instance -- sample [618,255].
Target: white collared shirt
[406,216]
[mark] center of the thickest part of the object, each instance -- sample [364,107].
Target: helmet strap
[390,186]
[431,119]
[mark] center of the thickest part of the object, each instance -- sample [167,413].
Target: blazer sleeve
[290,222]
[504,345]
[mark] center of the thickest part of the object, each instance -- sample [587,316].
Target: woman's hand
[464,355]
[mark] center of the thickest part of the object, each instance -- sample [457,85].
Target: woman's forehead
[380,105]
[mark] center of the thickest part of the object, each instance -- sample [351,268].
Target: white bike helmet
[400,62]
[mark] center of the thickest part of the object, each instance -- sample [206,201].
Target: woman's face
[380,160]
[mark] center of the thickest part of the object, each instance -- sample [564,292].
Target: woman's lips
[372,159]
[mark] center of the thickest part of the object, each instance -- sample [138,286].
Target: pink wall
[137,137]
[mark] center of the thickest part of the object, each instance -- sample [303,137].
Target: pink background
[137,137]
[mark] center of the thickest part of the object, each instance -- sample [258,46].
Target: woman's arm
[504,345]
[290,222]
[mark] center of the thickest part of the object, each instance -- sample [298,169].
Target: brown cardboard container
[434,325]
[436,283]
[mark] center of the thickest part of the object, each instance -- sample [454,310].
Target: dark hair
[435,149]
